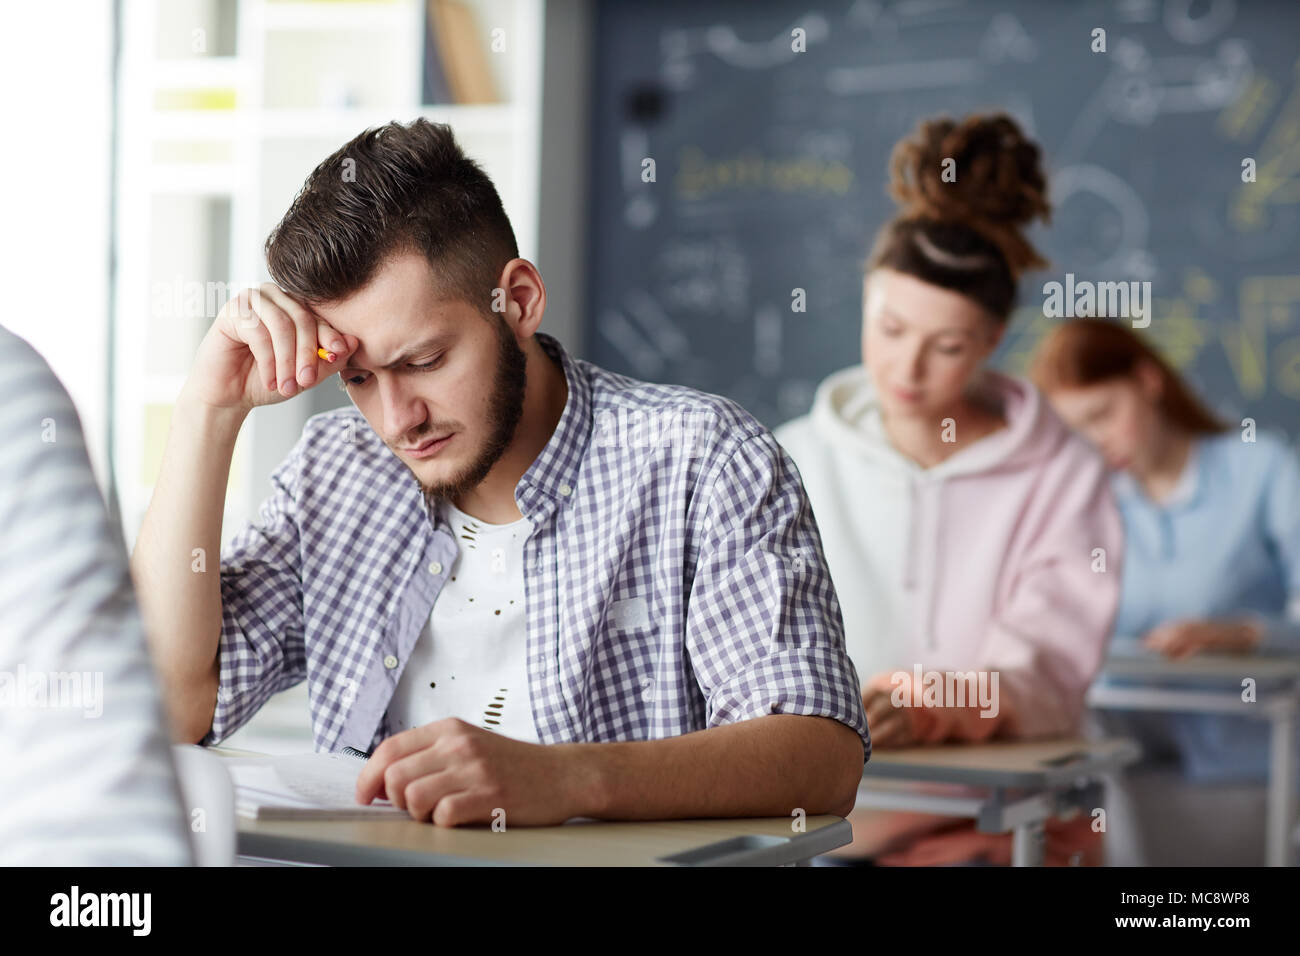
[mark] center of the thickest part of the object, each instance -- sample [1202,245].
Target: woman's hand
[908,723]
[1179,639]
[890,725]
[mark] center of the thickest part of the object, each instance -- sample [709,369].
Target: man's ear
[524,294]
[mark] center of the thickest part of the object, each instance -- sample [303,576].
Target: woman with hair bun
[966,528]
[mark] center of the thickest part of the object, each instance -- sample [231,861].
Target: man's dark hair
[392,189]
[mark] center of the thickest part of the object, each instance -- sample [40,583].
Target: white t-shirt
[470,660]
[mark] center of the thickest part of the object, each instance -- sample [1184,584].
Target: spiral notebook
[303,787]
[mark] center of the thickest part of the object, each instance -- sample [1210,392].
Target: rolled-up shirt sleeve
[262,650]
[764,631]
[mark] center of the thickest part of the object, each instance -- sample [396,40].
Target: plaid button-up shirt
[674,575]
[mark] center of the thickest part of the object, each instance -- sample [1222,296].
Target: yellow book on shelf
[199,99]
[157,422]
[157,425]
[463,50]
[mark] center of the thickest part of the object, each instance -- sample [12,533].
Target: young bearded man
[526,583]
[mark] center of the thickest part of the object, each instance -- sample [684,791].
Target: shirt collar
[552,478]
[1181,495]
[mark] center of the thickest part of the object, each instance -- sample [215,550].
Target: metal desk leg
[1281,787]
[1025,816]
[1027,844]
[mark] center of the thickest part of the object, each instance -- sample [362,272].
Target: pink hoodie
[1005,557]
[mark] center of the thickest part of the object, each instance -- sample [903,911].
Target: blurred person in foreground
[87,775]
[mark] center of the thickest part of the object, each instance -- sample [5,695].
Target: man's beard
[505,409]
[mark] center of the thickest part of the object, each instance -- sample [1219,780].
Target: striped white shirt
[86,775]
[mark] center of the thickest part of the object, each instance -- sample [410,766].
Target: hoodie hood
[846,412]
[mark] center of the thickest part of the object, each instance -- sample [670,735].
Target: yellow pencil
[326,354]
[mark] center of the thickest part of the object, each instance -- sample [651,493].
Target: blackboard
[770,167]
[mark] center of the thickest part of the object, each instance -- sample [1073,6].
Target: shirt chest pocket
[629,614]
[630,647]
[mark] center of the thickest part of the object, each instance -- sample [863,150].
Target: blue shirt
[1225,544]
[674,575]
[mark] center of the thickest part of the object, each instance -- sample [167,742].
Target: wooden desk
[1211,684]
[1014,786]
[404,842]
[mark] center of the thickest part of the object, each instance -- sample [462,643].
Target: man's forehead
[403,290]
[385,347]
[382,328]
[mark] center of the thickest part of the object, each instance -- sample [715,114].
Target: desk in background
[1211,684]
[1018,785]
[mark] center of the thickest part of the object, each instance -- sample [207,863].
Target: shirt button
[566,490]
[435,567]
[390,662]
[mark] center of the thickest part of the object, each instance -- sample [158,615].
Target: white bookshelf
[213,145]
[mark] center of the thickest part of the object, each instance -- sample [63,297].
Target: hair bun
[999,185]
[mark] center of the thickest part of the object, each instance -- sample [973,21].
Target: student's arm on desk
[768,766]
[455,773]
[764,632]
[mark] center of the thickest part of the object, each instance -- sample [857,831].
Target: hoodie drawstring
[909,556]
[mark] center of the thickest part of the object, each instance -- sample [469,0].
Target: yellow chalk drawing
[1277,172]
[1241,118]
[699,177]
[1178,328]
[1286,359]
[1264,303]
